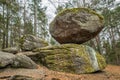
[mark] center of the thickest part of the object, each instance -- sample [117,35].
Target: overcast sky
[51,8]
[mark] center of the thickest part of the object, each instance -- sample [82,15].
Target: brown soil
[110,73]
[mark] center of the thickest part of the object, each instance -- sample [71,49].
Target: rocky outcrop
[70,58]
[76,25]
[16,61]
[30,42]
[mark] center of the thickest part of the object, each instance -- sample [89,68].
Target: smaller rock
[30,42]
[6,59]
[16,61]
[13,50]
[36,57]
[22,61]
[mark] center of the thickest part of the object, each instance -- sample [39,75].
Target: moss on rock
[75,10]
[101,61]
[72,58]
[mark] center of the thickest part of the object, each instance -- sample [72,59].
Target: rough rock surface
[6,59]
[33,55]
[76,25]
[22,61]
[70,58]
[17,61]
[13,50]
[30,42]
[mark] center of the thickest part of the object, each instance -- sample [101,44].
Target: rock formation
[22,61]
[30,42]
[76,25]
[70,26]
[16,61]
[13,50]
[72,58]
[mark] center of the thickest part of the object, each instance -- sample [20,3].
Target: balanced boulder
[76,25]
[30,42]
[72,58]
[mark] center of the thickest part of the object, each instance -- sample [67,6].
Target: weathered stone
[76,25]
[16,61]
[6,59]
[22,61]
[13,50]
[33,55]
[70,58]
[30,42]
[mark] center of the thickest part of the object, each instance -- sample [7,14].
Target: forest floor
[111,72]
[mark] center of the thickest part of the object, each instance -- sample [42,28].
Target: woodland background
[22,17]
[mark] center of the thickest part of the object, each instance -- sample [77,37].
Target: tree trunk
[7,27]
[118,31]
[84,4]
[113,38]
[24,18]
[98,43]
[3,42]
[35,17]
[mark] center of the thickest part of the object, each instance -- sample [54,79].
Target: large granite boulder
[76,25]
[72,58]
[16,61]
[30,42]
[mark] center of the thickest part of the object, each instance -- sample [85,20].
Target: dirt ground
[111,72]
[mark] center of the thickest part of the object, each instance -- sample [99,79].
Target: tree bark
[98,43]
[3,42]
[7,27]
[24,18]
[35,17]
